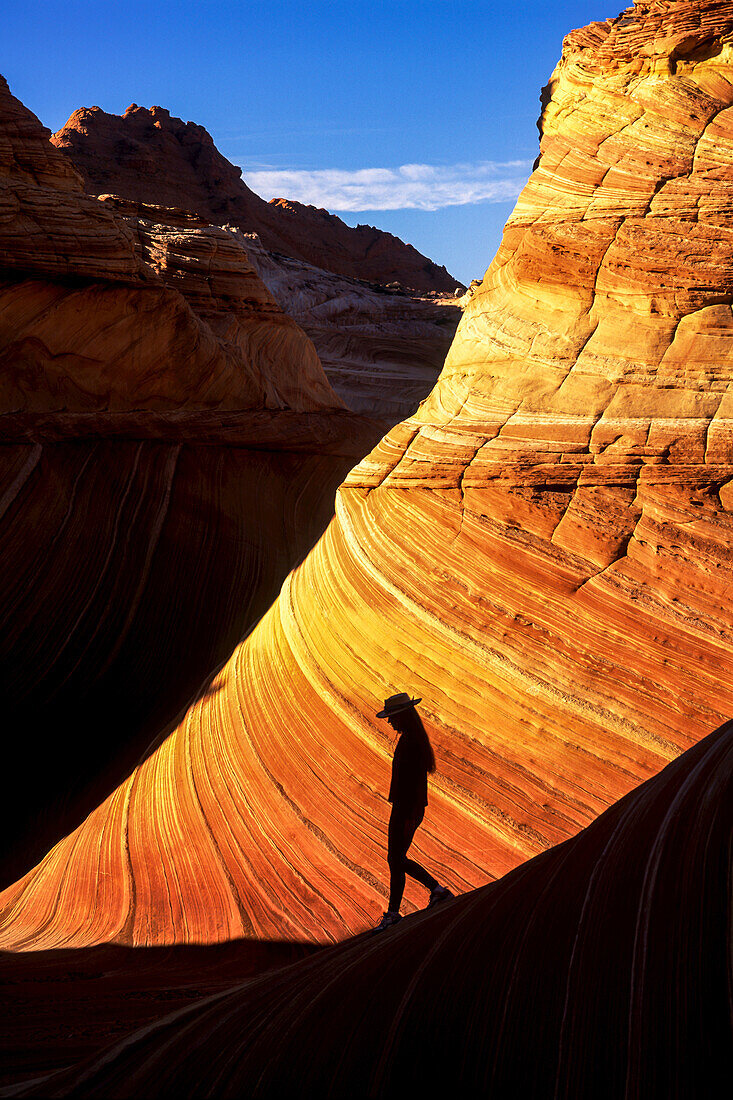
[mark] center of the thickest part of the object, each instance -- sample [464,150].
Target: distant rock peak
[87,283]
[151,156]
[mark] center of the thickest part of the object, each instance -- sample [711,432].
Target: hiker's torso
[408,790]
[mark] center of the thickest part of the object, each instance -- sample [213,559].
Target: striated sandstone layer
[152,157]
[128,570]
[103,309]
[542,553]
[598,969]
[210,269]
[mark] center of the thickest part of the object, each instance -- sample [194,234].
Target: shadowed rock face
[128,570]
[542,554]
[600,968]
[102,312]
[151,157]
[59,1007]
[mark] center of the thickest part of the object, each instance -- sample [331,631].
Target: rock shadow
[129,571]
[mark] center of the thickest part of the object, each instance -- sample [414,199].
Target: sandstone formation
[154,158]
[171,448]
[59,1007]
[96,308]
[128,570]
[600,968]
[382,351]
[542,553]
[209,267]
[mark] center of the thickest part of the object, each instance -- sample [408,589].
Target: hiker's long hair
[409,722]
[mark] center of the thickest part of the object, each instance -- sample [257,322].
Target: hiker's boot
[438,894]
[388,920]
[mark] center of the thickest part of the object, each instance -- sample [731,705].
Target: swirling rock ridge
[542,553]
[599,968]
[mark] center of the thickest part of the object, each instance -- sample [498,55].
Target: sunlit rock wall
[542,553]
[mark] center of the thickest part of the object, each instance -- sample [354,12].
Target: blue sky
[418,117]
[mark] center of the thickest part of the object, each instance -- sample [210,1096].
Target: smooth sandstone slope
[542,553]
[150,156]
[600,968]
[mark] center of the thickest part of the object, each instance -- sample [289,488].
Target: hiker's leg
[411,867]
[398,841]
[414,870]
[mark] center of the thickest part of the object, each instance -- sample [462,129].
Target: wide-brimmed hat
[396,703]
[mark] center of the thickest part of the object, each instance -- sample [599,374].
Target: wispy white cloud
[411,186]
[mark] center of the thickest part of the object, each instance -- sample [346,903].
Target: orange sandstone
[575,975]
[542,552]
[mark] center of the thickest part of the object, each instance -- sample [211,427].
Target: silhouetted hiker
[408,793]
